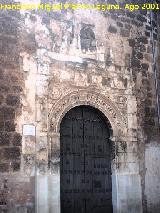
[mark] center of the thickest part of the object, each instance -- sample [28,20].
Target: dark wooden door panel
[85,162]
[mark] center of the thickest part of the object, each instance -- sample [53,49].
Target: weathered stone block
[4,88]
[155,36]
[9,113]
[143,39]
[130,14]
[149,49]
[17,89]
[13,100]
[106,81]
[29,164]
[141,18]
[9,26]
[2,126]
[144,73]
[16,166]
[142,48]
[11,153]
[145,66]
[4,167]
[17,139]
[135,63]
[119,24]
[112,29]
[139,55]
[4,139]
[124,32]
[147,33]
[125,19]
[148,27]
[128,26]
[131,42]
[1,99]
[136,23]
[9,126]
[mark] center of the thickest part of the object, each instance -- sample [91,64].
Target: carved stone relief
[84,97]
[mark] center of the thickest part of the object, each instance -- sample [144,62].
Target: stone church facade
[54,62]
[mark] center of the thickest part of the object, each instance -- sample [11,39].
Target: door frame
[124,179]
[117,125]
[106,128]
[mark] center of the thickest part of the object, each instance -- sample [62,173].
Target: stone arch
[76,98]
[82,97]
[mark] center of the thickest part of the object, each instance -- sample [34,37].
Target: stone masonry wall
[15,189]
[11,88]
[45,57]
[152,174]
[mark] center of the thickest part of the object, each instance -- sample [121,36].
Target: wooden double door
[85,165]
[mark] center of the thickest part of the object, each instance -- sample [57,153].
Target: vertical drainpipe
[154,64]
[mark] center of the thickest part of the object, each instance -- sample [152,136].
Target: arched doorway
[85,163]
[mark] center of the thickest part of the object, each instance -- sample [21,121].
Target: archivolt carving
[83,97]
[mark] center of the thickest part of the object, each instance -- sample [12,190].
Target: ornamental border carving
[91,98]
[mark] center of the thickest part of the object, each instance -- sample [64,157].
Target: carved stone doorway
[85,162]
